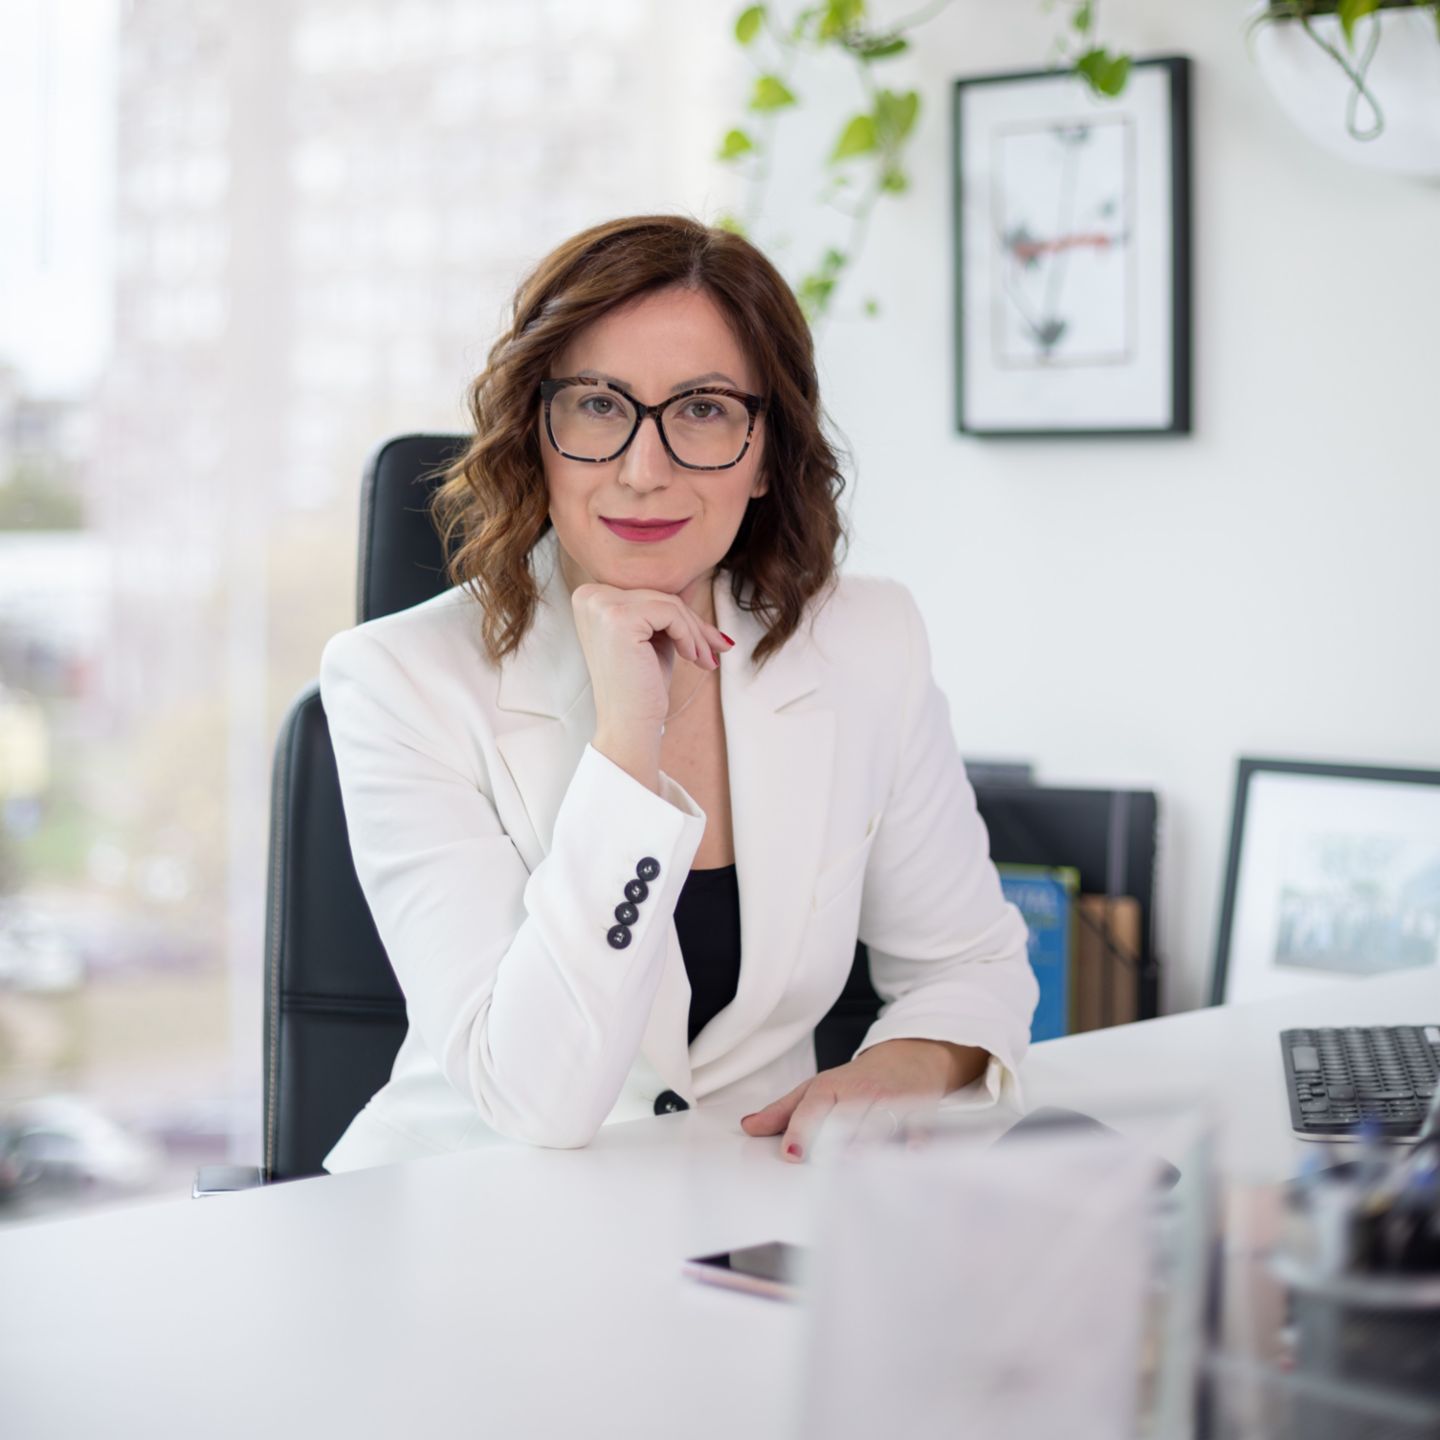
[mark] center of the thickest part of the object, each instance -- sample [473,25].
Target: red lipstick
[645,532]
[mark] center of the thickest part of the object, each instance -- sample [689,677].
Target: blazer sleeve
[948,952]
[507,974]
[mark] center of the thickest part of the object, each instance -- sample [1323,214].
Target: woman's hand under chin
[630,639]
[901,1077]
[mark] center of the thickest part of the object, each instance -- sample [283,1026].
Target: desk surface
[521,1292]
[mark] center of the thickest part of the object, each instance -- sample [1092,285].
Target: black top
[707,920]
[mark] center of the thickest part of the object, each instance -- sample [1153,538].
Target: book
[1045,897]
[1104,962]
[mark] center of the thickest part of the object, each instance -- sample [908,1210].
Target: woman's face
[665,342]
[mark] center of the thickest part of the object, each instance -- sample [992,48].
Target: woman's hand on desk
[899,1076]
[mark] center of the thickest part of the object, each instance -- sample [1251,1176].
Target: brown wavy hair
[491,505]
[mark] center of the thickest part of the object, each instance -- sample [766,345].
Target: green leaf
[1105,72]
[735,144]
[748,22]
[895,115]
[872,305]
[1350,13]
[880,47]
[814,294]
[1084,16]
[857,138]
[832,261]
[732,223]
[838,16]
[894,180]
[909,109]
[771,93]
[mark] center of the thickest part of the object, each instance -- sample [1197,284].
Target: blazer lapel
[781,757]
[546,685]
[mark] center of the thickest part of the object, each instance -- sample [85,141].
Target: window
[319,210]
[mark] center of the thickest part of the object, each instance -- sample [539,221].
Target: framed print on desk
[1334,870]
[1072,254]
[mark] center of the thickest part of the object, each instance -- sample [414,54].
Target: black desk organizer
[1109,836]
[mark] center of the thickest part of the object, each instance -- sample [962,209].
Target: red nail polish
[727,637]
[793,1149]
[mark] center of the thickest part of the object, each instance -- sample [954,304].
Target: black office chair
[334,1012]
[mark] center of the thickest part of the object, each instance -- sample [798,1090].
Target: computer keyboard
[1338,1078]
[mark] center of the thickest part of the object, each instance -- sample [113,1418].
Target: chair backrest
[334,1012]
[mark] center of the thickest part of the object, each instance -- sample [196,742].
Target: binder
[1045,896]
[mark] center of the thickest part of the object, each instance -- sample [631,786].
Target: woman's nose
[646,465]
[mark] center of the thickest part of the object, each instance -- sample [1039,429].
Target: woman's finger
[805,1122]
[671,617]
[776,1115]
[698,640]
[711,637]
[716,638]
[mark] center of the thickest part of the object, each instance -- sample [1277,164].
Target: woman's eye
[709,407]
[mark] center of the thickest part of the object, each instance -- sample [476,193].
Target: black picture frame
[1248,771]
[989,401]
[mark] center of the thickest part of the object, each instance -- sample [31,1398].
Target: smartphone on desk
[771,1269]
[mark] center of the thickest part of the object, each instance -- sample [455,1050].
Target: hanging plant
[866,161]
[1353,60]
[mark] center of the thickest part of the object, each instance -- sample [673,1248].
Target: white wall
[1144,611]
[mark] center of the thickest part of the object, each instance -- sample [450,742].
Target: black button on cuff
[636,890]
[626,913]
[667,1102]
[648,868]
[618,936]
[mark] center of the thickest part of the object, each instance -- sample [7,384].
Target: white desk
[514,1292]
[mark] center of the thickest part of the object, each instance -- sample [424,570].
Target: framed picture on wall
[1072,254]
[1333,871]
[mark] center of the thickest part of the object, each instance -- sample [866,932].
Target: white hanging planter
[1403,76]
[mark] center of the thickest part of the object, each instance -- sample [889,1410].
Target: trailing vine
[866,161]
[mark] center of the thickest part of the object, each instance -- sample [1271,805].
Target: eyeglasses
[708,428]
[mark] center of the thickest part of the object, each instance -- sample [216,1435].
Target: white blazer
[493,843]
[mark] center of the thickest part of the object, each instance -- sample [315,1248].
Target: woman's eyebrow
[674,389]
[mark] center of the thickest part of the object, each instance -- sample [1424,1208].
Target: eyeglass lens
[592,422]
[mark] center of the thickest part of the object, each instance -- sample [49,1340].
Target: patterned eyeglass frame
[753,404]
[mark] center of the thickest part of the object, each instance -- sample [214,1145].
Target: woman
[620,822]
